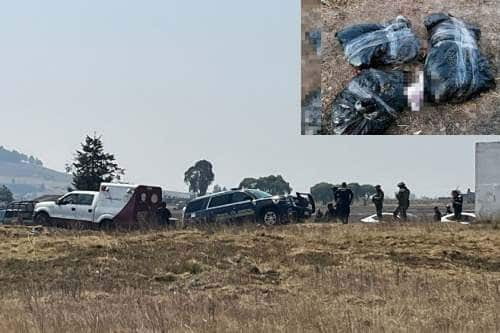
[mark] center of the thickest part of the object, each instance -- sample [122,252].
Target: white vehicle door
[84,207]
[65,208]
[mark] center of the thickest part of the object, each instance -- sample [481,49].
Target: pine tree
[92,166]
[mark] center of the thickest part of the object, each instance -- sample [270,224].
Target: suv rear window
[240,197]
[196,205]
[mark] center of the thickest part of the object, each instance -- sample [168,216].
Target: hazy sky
[171,82]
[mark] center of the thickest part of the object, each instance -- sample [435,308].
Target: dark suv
[249,204]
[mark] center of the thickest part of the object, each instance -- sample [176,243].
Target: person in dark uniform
[448,210]
[378,201]
[331,213]
[457,202]
[403,197]
[163,214]
[343,198]
[437,214]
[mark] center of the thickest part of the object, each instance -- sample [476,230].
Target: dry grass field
[305,277]
[478,116]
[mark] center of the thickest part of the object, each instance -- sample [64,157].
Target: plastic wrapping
[370,103]
[372,44]
[455,69]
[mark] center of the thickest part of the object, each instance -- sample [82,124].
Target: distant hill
[27,178]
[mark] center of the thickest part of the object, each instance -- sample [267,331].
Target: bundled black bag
[372,44]
[455,69]
[370,103]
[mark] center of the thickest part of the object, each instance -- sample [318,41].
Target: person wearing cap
[403,197]
[378,201]
[457,202]
[343,198]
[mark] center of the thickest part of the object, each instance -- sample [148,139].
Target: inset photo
[400,67]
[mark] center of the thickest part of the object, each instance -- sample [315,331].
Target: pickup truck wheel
[43,218]
[270,217]
[107,224]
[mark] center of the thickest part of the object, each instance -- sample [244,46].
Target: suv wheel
[270,217]
[42,218]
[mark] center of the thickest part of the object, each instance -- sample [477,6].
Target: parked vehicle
[249,204]
[18,212]
[112,205]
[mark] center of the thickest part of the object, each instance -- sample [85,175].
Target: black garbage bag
[369,103]
[455,69]
[369,44]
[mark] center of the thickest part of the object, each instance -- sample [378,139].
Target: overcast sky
[169,82]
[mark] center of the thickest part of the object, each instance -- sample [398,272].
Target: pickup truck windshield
[259,194]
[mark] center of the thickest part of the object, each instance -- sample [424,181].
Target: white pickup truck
[112,204]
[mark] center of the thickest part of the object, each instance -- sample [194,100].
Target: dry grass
[478,116]
[309,277]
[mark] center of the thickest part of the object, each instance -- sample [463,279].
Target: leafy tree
[249,183]
[322,192]
[5,194]
[93,166]
[356,190]
[199,177]
[367,189]
[272,184]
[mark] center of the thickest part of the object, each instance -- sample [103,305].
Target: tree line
[322,192]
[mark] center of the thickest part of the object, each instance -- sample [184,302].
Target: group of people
[457,204]
[340,208]
[343,198]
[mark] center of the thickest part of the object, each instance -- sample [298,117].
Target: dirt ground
[421,277]
[478,116]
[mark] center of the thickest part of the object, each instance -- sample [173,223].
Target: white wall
[488,181]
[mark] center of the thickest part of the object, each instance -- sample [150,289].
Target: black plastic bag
[455,69]
[369,103]
[379,44]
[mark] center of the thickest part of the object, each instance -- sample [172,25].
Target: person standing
[378,201]
[457,202]
[403,197]
[163,214]
[343,198]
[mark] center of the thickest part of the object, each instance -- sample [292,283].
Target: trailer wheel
[107,224]
[43,218]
